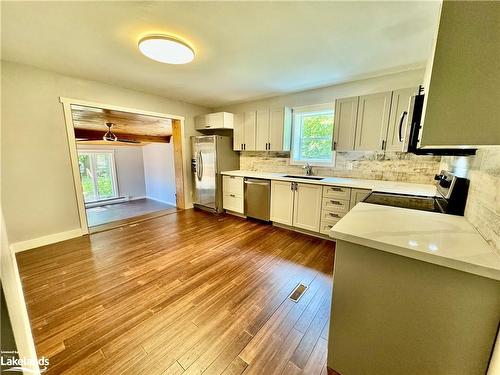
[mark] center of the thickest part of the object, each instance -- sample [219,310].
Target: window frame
[114,178]
[295,142]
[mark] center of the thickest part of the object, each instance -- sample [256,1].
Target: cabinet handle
[401,125]
[232,195]
[244,146]
[336,202]
[383,145]
[207,126]
[336,189]
[334,145]
[333,215]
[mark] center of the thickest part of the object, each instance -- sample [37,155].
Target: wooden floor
[185,293]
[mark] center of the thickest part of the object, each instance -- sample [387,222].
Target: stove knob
[438,177]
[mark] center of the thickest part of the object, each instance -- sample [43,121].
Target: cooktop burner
[405,201]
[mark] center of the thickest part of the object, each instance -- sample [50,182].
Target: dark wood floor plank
[185,293]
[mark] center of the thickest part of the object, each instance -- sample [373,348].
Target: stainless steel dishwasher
[257,198]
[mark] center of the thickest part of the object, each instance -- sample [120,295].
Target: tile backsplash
[483,202]
[392,166]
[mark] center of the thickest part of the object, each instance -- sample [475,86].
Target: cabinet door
[200,122]
[282,202]
[462,99]
[307,206]
[262,130]
[280,129]
[372,122]
[238,132]
[249,122]
[398,119]
[357,195]
[344,129]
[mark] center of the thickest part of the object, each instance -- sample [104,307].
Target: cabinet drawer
[232,185]
[331,215]
[336,192]
[326,226]
[233,202]
[335,205]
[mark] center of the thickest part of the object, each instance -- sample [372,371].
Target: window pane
[104,176]
[316,149]
[313,132]
[85,166]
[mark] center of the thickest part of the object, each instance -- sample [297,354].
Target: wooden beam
[97,135]
[178,164]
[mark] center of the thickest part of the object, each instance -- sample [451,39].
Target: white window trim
[310,108]
[114,178]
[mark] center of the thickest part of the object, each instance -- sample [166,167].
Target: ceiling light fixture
[166,49]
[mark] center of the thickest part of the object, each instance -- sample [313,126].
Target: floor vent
[298,292]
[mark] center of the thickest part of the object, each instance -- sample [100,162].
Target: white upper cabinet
[462,103]
[244,131]
[372,121]
[280,129]
[282,202]
[307,206]
[249,129]
[262,137]
[346,110]
[219,120]
[263,130]
[398,119]
[238,133]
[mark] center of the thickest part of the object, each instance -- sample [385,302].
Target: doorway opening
[127,164]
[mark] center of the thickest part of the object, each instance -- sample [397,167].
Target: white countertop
[446,240]
[375,185]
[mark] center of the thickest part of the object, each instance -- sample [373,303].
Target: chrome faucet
[309,169]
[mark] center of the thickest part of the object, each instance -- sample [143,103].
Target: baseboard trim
[159,200]
[303,231]
[17,247]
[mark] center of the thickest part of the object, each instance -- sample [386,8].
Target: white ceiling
[244,50]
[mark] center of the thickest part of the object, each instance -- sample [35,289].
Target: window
[97,172]
[312,135]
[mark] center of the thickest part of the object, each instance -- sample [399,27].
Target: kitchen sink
[305,177]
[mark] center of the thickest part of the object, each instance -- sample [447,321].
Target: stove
[450,199]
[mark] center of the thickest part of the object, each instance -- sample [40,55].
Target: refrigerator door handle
[199,170]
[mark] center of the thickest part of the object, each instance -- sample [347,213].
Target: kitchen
[339,199]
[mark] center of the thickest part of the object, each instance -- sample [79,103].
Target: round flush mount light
[166,49]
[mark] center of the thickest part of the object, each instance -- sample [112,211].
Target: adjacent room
[126,165]
[250,188]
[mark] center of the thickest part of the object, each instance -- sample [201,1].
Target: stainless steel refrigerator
[211,155]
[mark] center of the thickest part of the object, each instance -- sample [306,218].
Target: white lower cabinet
[307,206]
[296,204]
[282,202]
[313,207]
[357,195]
[232,194]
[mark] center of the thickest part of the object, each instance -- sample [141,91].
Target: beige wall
[38,193]
[159,172]
[329,94]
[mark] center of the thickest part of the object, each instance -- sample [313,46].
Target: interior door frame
[178,136]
